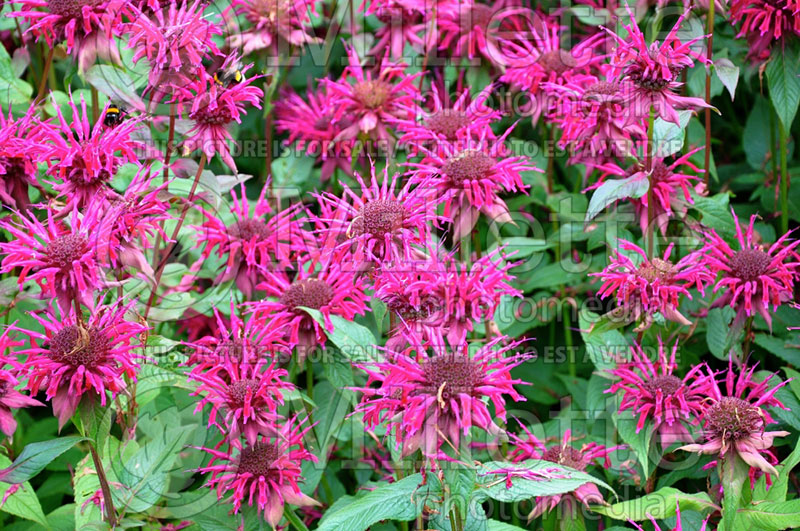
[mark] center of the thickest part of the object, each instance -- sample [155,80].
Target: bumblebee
[114,115]
[228,77]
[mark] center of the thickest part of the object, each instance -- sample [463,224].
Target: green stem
[309,378]
[733,474]
[293,519]
[565,317]
[95,105]
[784,179]
[650,195]
[45,72]
[709,55]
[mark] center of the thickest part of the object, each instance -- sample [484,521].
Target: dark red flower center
[206,115]
[79,346]
[656,269]
[372,93]
[77,172]
[661,172]
[411,313]
[565,455]
[469,165]
[237,391]
[732,419]
[605,88]
[64,251]
[379,217]
[69,8]
[451,374]
[258,459]
[666,383]
[749,264]
[447,122]
[247,229]
[308,292]
[558,61]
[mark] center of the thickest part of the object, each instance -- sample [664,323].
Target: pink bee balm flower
[10,398]
[254,243]
[754,276]
[646,286]
[267,472]
[372,101]
[174,41]
[58,257]
[765,23]
[19,154]
[246,392]
[90,27]
[275,24]
[443,297]
[734,423]
[214,105]
[430,400]
[74,359]
[565,454]
[671,187]
[402,24]
[84,158]
[653,71]
[448,121]
[380,222]
[652,391]
[469,177]
[128,223]
[331,290]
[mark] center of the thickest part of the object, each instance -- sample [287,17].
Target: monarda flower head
[10,397]
[174,41]
[403,24]
[652,72]
[332,290]
[645,286]
[256,241]
[765,23]
[19,153]
[430,399]
[372,101]
[755,276]
[443,120]
[90,27]
[313,125]
[245,392]
[651,390]
[214,104]
[734,420]
[562,453]
[83,158]
[128,223]
[671,188]
[468,179]
[60,256]
[265,474]
[443,297]
[274,25]
[380,222]
[74,359]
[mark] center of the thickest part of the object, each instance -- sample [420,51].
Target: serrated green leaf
[24,502]
[783,83]
[659,504]
[771,515]
[613,190]
[354,341]
[35,457]
[728,73]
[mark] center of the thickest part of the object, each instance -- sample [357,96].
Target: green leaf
[402,500]
[96,421]
[544,478]
[668,137]
[783,83]
[659,504]
[771,515]
[12,89]
[780,347]
[613,190]
[356,342]
[718,332]
[728,73]
[716,215]
[639,442]
[116,84]
[733,477]
[35,457]
[23,502]
[777,492]
[756,136]
[145,475]
[494,525]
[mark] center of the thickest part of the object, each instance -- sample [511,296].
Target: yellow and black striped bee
[228,77]
[114,115]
